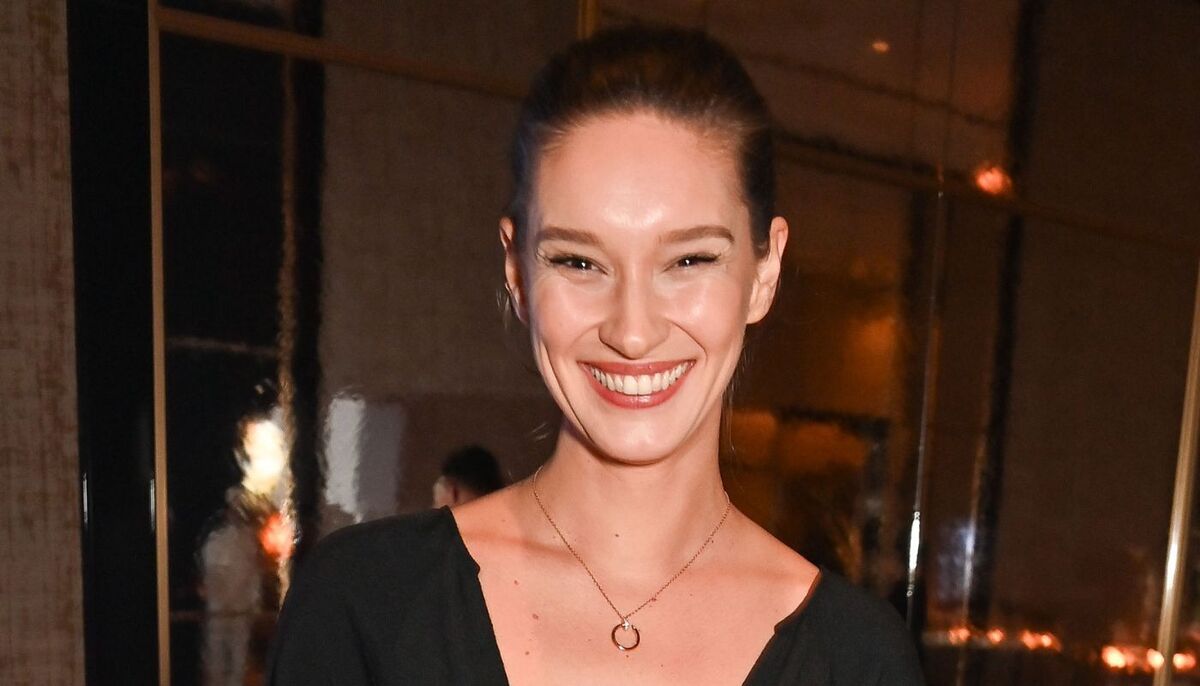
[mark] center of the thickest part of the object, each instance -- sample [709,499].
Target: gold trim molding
[1175,575]
[291,44]
[162,571]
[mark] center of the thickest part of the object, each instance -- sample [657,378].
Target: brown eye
[695,260]
[574,262]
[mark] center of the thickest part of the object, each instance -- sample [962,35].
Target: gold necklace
[629,632]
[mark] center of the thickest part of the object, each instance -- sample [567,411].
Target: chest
[552,625]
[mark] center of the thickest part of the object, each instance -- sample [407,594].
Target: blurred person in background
[467,473]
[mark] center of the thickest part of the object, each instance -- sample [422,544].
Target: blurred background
[252,279]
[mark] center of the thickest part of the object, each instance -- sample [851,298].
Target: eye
[695,260]
[573,262]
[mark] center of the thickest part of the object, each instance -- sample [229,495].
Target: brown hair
[682,74]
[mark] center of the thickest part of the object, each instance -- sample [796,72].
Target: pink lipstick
[637,385]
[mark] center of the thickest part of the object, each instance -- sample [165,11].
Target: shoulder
[351,594]
[377,554]
[862,633]
[858,609]
[408,533]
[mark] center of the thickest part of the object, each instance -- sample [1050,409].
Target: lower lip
[636,402]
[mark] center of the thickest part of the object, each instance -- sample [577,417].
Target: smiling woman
[640,244]
[666,277]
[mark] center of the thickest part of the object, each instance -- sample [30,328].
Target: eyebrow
[696,233]
[558,233]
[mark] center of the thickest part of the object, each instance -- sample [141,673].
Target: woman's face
[637,279]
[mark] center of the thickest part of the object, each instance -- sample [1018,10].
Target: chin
[641,442]
[642,452]
[634,453]
[642,433]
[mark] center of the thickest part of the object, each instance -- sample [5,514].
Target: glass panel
[1053,450]
[820,451]
[917,83]
[222,118]
[331,307]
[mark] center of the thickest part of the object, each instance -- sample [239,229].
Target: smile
[637,386]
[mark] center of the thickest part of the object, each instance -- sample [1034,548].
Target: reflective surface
[333,333]
[1053,451]
[222,256]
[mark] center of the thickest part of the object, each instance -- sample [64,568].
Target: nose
[635,323]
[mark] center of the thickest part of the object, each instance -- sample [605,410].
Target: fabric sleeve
[317,641]
[899,664]
[867,641]
[901,668]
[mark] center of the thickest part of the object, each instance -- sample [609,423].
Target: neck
[634,520]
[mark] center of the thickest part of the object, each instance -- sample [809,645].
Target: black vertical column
[990,472]
[110,176]
[308,89]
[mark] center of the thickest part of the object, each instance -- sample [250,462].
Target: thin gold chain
[625,617]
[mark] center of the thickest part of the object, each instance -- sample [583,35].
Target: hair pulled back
[681,74]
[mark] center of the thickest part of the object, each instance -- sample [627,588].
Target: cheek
[712,311]
[559,312]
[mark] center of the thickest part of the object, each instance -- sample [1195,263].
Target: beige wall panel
[506,39]
[41,632]
[415,182]
[416,179]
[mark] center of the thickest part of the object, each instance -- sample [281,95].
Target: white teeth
[630,386]
[643,384]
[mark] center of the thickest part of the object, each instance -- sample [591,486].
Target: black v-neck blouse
[398,601]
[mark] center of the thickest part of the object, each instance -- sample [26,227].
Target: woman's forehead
[636,170]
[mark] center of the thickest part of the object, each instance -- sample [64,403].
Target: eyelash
[689,261]
[573,262]
[583,264]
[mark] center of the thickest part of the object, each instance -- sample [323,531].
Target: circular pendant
[630,636]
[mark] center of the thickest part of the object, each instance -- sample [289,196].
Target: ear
[767,270]
[512,268]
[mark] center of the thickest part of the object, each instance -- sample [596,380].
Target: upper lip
[636,368]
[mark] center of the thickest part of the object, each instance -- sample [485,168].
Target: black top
[397,601]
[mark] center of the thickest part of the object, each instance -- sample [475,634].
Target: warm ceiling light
[1114,657]
[1184,661]
[1155,659]
[959,635]
[992,179]
[881,46]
